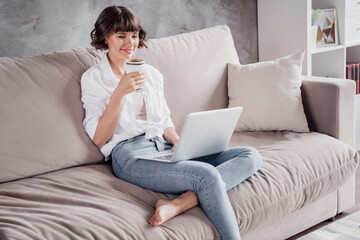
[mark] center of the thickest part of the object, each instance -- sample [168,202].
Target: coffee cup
[134,65]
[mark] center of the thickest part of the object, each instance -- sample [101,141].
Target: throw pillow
[270,94]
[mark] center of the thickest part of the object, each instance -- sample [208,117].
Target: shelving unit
[285,26]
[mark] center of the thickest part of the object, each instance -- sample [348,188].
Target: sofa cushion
[41,114]
[88,202]
[194,69]
[270,94]
[298,168]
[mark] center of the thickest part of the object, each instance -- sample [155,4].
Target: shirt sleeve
[167,122]
[93,101]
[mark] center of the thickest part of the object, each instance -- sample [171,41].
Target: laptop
[203,133]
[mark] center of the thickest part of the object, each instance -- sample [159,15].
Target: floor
[346,213]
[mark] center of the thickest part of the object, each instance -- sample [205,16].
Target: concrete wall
[30,27]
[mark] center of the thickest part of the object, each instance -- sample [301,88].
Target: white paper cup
[134,65]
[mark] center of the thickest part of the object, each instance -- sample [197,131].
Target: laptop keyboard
[165,157]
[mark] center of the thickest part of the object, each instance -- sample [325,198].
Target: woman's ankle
[186,201]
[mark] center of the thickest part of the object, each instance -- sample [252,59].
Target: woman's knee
[210,176]
[254,159]
[248,156]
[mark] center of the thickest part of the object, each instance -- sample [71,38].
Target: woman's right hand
[130,82]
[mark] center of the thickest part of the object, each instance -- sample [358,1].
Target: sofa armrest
[329,105]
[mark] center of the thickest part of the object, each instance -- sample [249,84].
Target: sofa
[55,184]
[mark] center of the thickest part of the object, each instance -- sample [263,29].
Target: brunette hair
[116,19]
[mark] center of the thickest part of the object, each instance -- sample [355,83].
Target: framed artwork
[326,27]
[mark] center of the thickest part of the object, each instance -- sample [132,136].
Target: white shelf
[326,49]
[352,44]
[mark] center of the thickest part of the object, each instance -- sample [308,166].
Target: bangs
[126,23]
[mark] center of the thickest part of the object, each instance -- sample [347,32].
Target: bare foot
[165,210]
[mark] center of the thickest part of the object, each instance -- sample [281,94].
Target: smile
[128,51]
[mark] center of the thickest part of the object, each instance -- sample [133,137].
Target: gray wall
[31,27]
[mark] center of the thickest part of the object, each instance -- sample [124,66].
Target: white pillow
[270,94]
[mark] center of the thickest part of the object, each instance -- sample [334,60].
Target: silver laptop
[203,133]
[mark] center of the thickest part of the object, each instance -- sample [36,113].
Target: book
[348,71]
[353,73]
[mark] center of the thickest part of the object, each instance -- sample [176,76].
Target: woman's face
[122,44]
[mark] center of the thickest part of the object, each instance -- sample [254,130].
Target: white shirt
[97,86]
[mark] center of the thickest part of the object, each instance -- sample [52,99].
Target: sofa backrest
[41,111]
[41,114]
[194,69]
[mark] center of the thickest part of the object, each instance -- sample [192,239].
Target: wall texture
[30,27]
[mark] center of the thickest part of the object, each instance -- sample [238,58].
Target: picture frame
[325,21]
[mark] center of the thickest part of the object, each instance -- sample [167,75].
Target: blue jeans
[209,176]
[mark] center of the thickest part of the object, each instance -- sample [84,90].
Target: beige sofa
[55,184]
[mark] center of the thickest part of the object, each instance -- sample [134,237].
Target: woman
[124,122]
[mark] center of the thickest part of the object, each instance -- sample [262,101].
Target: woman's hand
[171,136]
[130,82]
